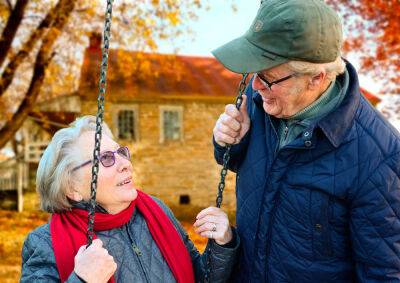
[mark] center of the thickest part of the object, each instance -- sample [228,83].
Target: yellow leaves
[14,227]
[151,43]
[173,18]
[4,12]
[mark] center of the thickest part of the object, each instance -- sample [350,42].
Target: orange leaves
[373,28]
[197,240]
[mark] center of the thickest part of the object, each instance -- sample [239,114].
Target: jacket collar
[336,125]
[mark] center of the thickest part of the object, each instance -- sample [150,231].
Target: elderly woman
[137,238]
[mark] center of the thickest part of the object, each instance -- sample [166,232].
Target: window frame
[173,108]
[126,107]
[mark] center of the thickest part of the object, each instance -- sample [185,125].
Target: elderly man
[318,188]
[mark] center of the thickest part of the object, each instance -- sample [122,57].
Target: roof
[138,75]
[144,75]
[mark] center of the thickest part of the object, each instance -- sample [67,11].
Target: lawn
[15,226]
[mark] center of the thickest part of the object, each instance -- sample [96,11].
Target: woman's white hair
[332,69]
[54,175]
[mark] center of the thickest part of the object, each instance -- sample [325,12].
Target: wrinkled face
[115,188]
[285,98]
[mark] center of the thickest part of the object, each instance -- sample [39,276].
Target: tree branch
[43,59]
[16,60]
[13,22]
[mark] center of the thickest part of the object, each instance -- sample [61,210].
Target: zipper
[137,252]
[136,249]
[285,132]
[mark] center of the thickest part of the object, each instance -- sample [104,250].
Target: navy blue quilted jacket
[326,207]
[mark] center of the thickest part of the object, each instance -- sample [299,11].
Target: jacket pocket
[320,227]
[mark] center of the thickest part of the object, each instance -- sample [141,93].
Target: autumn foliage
[42,41]
[372,29]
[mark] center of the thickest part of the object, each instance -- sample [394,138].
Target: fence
[14,177]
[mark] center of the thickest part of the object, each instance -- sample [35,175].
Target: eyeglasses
[107,158]
[270,84]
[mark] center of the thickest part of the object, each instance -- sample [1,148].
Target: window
[184,199]
[126,125]
[172,126]
[125,121]
[171,123]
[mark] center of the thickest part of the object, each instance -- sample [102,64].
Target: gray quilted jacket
[136,254]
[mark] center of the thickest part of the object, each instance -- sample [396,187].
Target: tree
[41,41]
[54,21]
[373,28]
[390,108]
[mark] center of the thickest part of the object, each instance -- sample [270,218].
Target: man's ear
[317,80]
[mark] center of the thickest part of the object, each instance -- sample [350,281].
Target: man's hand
[94,264]
[232,125]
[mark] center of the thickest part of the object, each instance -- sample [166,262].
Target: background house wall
[175,170]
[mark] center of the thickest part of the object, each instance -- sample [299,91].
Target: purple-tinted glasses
[107,158]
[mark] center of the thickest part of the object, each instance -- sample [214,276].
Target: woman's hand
[213,223]
[94,264]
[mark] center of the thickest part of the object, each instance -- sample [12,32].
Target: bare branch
[13,22]
[82,10]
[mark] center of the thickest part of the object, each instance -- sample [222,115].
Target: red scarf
[68,234]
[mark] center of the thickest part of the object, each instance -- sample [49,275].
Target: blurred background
[164,94]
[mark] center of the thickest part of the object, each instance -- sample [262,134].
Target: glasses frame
[103,153]
[270,84]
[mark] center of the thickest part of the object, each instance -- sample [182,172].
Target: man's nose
[257,84]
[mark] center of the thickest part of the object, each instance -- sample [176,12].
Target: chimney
[95,40]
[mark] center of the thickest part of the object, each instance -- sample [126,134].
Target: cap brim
[241,56]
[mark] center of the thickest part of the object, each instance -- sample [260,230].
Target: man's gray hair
[332,69]
[54,175]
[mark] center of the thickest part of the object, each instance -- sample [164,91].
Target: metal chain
[99,121]
[224,172]
[226,157]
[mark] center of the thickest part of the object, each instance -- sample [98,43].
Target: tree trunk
[43,59]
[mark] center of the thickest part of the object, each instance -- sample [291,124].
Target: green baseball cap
[284,30]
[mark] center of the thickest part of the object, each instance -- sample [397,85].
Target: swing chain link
[224,172]
[99,121]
